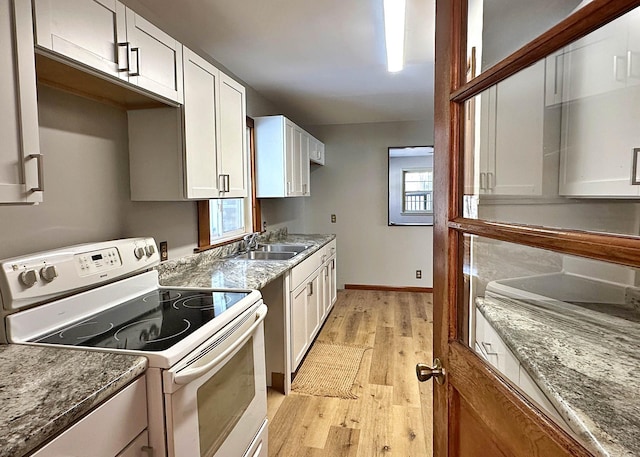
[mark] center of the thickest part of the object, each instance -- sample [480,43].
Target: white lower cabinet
[312,294]
[299,340]
[116,428]
[21,172]
[490,346]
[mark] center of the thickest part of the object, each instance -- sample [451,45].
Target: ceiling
[321,62]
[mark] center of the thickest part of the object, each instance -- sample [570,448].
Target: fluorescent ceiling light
[394,33]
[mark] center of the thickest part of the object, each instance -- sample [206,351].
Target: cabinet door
[511,157]
[233,152]
[289,158]
[20,160]
[299,299]
[519,151]
[297,165]
[155,59]
[325,299]
[587,136]
[305,184]
[333,275]
[314,306]
[633,48]
[597,63]
[200,127]
[92,32]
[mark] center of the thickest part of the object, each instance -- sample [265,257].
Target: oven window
[224,398]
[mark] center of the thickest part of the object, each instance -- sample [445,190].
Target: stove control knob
[28,277]
[138,252]
[49,273]
[150,250]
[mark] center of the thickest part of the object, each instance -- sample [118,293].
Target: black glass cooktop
[150,322]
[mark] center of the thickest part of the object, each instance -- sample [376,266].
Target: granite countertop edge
[200,270]
[44,391]
[578,420]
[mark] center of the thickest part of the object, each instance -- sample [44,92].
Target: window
[417,191]
[226,218]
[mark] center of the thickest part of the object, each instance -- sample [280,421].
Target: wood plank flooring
[392,416]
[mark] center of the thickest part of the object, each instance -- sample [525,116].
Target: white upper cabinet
[512,139]
[603,61]
[282,157]
[21,172]
[106,36]
[201,129]
[232,152]
[316,151]
[154,58]
[195,152]
[87,31]
[601,88]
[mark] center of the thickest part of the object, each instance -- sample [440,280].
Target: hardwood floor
[392,416]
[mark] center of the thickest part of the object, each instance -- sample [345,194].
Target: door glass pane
[224,398]
[497,28]
[564,330]
[558,143]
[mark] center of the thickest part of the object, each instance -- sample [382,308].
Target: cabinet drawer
[302,271]
[495,350]
[108,429]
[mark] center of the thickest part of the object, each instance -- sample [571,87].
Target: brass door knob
[425,372]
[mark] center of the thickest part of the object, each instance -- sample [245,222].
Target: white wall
[86,178]
[353,185]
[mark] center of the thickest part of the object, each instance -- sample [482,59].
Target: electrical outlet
[333,218]
[418,274]
[164,251]
[264,226]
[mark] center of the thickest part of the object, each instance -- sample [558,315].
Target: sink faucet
[251,241]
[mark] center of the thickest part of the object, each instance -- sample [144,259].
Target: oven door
[216,398]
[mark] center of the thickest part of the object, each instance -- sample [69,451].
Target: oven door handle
[188,375]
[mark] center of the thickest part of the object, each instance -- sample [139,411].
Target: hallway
[392,416]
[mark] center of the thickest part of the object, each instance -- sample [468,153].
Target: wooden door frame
[468,375]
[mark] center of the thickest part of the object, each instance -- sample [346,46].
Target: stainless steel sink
[282,247]
[266,255]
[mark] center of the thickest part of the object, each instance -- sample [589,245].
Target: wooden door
[477,412]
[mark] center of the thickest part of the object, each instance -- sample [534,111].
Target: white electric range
[206,386]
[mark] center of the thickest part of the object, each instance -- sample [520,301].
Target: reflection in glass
[411,185]
[497,28]
[565,331]
[558,143]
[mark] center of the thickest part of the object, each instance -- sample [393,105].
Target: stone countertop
[586,362]
[45,390]
[203,270]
